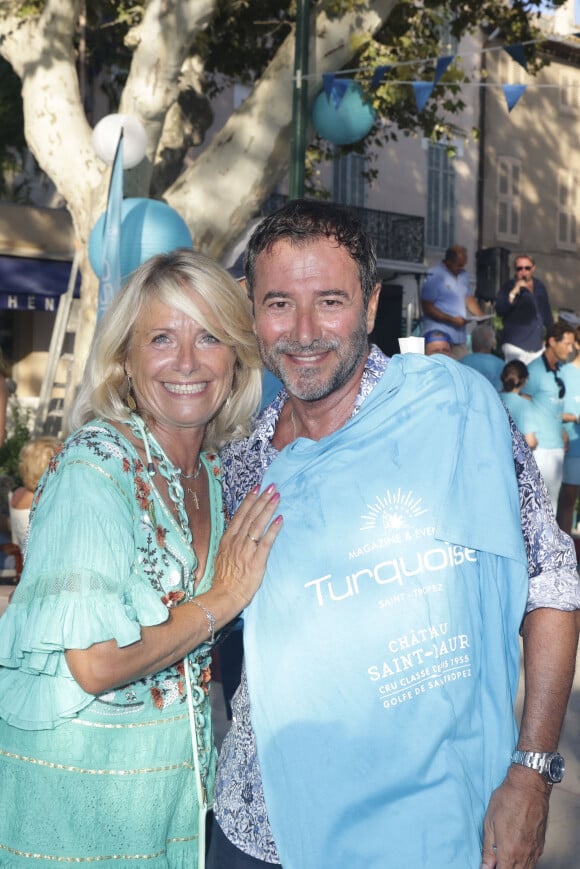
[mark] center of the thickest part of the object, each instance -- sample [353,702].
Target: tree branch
[251,153]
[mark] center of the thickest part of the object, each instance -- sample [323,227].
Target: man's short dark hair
[558,330]
[302,221]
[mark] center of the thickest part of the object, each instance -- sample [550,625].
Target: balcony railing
[399,237]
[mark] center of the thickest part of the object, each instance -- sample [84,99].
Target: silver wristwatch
[549,764]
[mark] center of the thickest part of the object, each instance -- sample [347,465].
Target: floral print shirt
[239,805]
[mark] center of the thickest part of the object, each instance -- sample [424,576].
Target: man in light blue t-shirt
[483,359]
[446,297]
[547,390]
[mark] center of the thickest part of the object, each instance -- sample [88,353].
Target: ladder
[57,387]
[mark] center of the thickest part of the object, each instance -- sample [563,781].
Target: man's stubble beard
[307,386]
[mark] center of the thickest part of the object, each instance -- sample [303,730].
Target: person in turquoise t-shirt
[514,378]
[547,390]
[482,358]
[571,476]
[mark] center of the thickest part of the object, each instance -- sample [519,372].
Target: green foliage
[30,8]
[12,139]
[410,42]
[101,49]
[417,35]
[243,36]
[10,450]
[241,39]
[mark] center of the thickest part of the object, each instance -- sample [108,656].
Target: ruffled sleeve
[80,585]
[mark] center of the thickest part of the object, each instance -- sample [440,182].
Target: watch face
[556,768]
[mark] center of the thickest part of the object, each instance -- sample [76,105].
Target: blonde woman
[104,690]
[32,462]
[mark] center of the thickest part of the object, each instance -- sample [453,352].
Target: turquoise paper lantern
[346,123]
[148,227]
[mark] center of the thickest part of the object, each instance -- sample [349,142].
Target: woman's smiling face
[181,373]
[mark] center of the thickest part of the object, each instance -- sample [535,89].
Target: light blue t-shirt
[522,411]
[448,293]
[398,585]
[570,374]
[544,390]
[487,364]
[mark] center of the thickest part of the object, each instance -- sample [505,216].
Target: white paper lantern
[106,138]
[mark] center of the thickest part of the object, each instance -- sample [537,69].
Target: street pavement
[562,849]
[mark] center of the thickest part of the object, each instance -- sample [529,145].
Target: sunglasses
[559,382]
[561,385]
[524,268]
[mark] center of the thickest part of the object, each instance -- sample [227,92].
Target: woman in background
[33,460]
[514,377]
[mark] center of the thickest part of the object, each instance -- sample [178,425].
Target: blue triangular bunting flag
[335,88]
[423,90]
[512,93]
[442,64]
[517,53]
[378,75]
[328,79]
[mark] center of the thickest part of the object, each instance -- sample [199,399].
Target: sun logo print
[392,512]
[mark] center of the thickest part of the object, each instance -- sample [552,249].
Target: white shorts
[572,470]
[551,464]
[511,351]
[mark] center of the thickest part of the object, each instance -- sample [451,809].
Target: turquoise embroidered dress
[110,779]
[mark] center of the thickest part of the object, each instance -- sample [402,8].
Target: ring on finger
[255,540]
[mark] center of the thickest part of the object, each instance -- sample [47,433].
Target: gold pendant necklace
[194,497]
[192,476]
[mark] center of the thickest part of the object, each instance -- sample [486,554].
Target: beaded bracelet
[211,619]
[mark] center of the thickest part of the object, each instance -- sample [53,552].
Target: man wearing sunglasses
[524,307]
[547,390]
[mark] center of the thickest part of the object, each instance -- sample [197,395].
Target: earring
[131,403]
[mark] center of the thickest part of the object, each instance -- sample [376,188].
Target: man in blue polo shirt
[446,298]
[547,391]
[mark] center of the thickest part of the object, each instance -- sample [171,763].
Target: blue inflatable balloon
[148,227]
[349,121]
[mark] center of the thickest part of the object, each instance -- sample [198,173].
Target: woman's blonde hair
[172,279]
[33,460]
